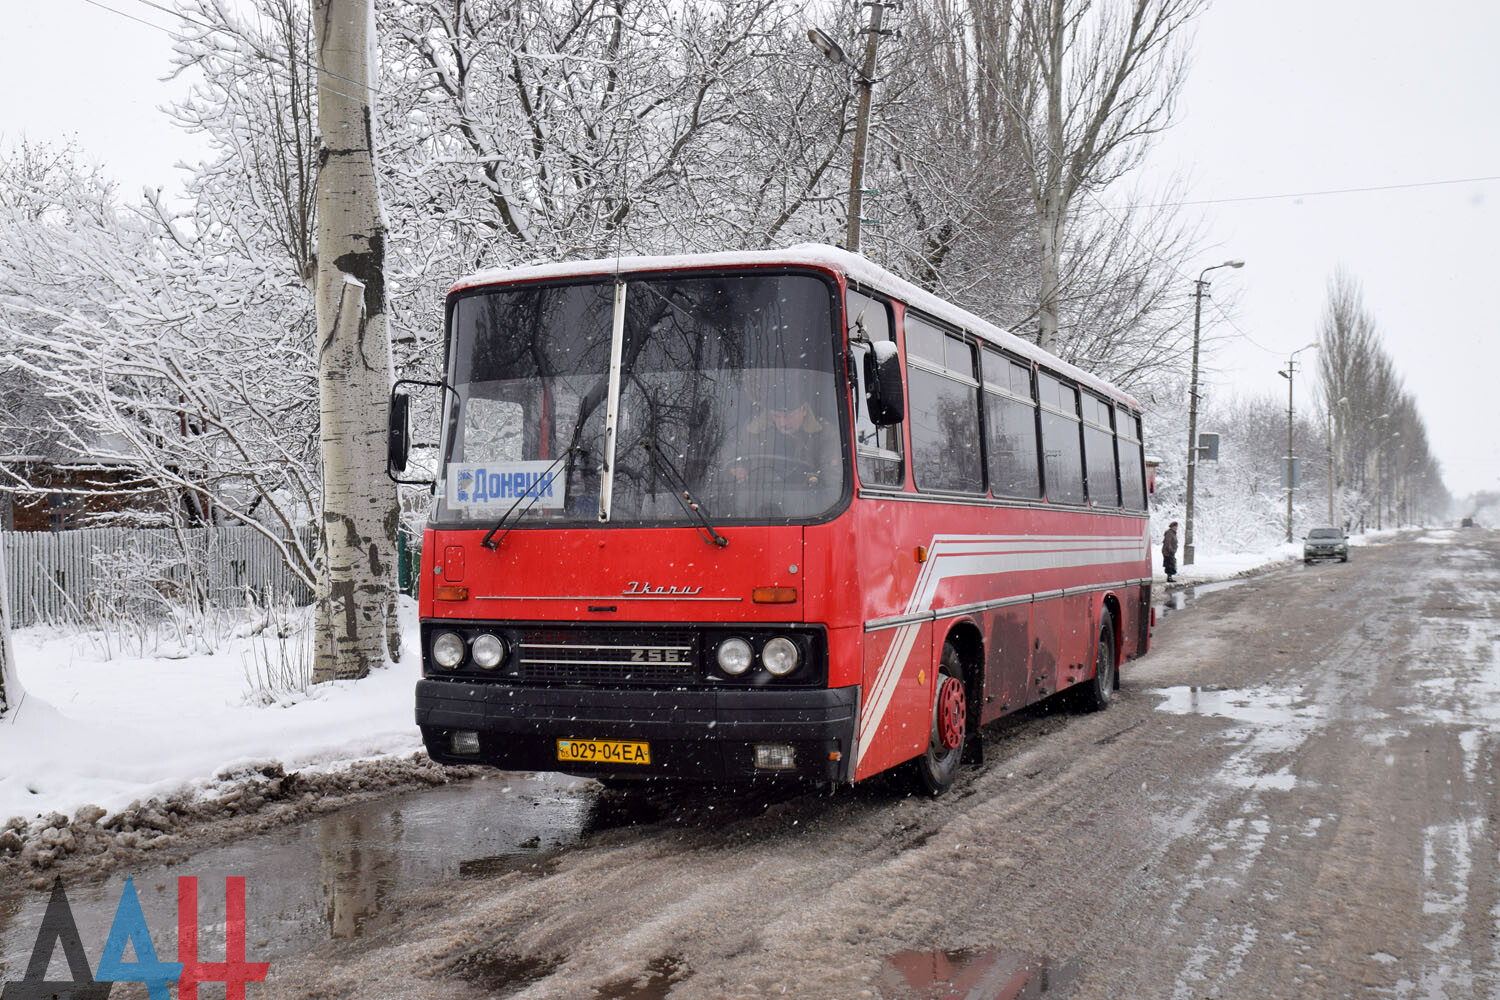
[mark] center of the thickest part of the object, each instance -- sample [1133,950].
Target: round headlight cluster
[488,650]
[780,656]
[448,650]
[735,656]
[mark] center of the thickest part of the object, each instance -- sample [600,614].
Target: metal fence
[72,574]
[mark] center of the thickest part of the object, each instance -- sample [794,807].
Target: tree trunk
[1049,222]
[10,684]
[1053,207]
[357,531]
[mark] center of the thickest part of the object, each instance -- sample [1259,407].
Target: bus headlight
[488,650]
[734,656]
[780,656]
[448,650]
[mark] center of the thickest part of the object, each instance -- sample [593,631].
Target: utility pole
[1192,456]
[1291,458]
[864,78]
[1291,465]
[1379,490]
[1330,471]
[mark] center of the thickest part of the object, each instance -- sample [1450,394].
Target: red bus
[763,515]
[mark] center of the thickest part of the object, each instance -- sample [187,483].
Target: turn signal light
[774,595]
[449,592]
[921,553]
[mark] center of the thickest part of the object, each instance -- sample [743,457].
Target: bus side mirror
[883,393]
[398,434]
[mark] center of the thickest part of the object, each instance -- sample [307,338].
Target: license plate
[604,751]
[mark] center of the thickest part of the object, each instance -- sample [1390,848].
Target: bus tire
[938,766]
[1095,694]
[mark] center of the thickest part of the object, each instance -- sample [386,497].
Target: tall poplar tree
[1084,85]
[356,620]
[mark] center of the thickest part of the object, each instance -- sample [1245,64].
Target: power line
[1317,194]
[175,13]
[1175,270]
[132,17]
[209,27]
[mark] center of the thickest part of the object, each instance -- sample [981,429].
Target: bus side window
[879,452]
[1010,423]
[1062,446]
[1132,459]
[1099,452]
[943,409]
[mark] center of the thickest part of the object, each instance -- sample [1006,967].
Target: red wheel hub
[950,712]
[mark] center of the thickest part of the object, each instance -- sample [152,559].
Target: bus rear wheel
[938,767]
[1095,694]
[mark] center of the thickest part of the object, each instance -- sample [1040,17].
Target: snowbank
[106,732]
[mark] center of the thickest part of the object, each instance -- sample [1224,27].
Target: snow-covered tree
[539,129]
[1083,84]
[954,177]
[1384,467]
[152,352]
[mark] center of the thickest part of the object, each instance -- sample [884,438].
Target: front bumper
[1322,553]
[695,734]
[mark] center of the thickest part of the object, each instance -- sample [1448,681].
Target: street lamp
[1291,465]
[1192,467]
[864,76]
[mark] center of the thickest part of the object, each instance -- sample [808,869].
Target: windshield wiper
[684,495]
[530,497]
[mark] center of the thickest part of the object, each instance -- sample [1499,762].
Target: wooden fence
[70,575]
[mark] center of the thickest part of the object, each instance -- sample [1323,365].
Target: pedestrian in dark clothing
[1169,551]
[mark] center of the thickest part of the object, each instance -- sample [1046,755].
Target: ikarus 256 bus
[763,515]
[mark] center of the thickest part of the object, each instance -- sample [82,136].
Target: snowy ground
[102,731]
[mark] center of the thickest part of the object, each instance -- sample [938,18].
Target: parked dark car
[1325,543]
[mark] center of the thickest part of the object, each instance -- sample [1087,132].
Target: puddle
[1181,596]
[976,975]
[501,973]
[1268,722]
[654,984]
[1263,707]
[339,876]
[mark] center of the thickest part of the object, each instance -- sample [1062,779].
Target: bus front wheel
[937,768]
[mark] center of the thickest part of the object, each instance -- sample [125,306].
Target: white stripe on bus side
[954,556]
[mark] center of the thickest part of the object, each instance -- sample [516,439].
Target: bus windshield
[727,392]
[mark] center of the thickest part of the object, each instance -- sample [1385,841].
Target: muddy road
[1294,795]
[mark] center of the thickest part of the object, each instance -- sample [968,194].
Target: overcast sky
[1293,97]
[1285,97]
